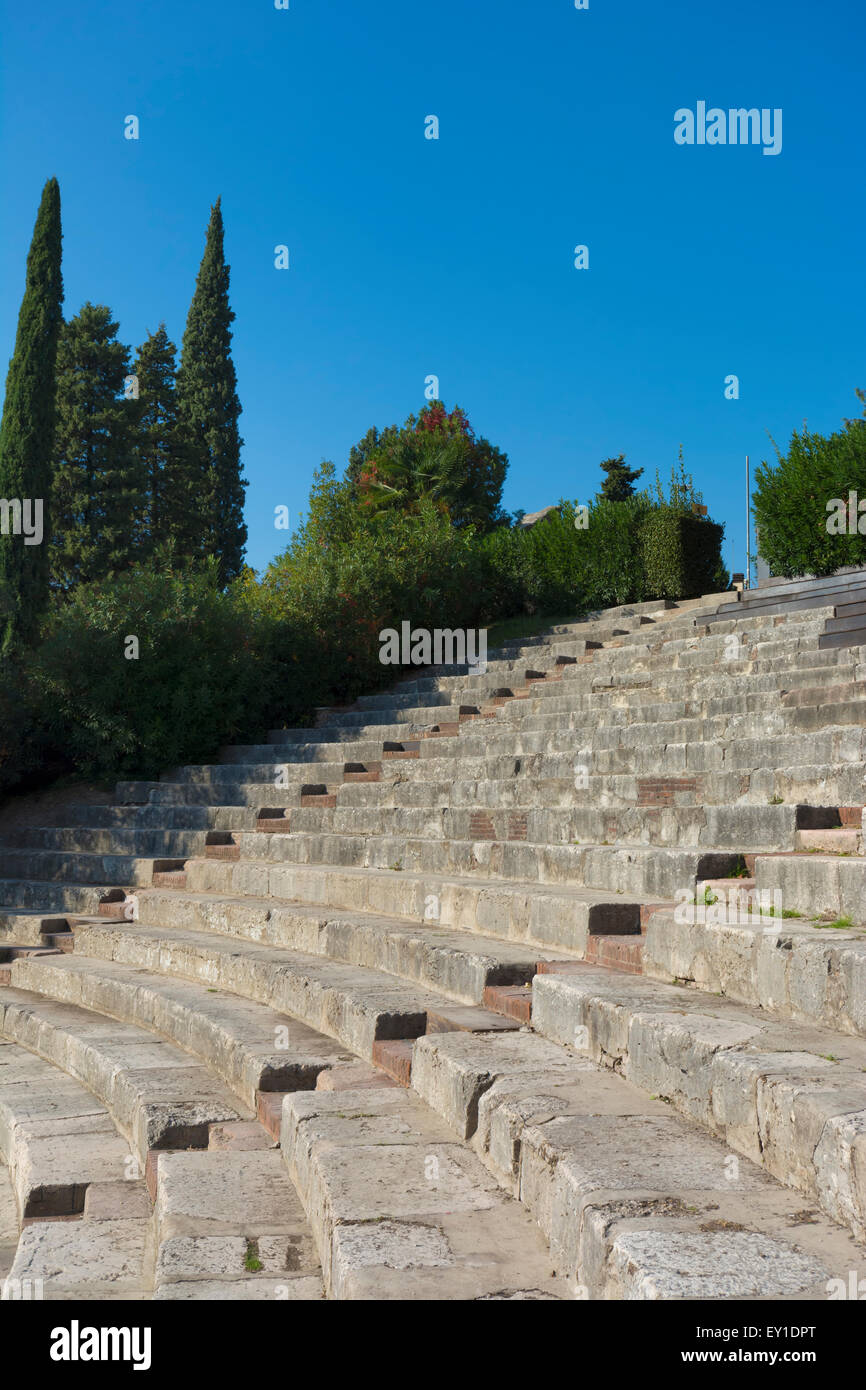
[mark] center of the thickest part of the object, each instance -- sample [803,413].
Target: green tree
[435,455]
[97,481]
[620,479]
[208,411]
[27,429]
[167,516]
[801,531]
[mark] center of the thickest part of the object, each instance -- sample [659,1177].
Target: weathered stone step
[19,896]
[56,1138]
[353,1005]
[657,822]
[230,1226]
[250,1047]
[400,1211]
[830,886]
[784,741]
[786,1095]
[8,1223]
[661,676]
[82,839]
[267,860]
[795,967]
[635,1202]
[158,1096]
[335,910]
[459,964]
[106,1259]
[62,866]
[550,915]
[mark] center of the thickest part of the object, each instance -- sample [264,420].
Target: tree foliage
[28,425]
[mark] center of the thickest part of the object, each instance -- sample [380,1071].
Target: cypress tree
[208,410]
[27,429]
[97,481]
[164,515]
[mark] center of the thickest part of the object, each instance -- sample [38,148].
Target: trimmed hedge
[682,554]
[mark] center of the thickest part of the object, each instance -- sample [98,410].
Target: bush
[397,567]
[198,680]
[682,554]
[790,501]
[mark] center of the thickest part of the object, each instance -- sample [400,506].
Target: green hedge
[682,554]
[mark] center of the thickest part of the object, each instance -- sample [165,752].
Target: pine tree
[163,517]
[97,483]
[618,485]
[208,411]
[27,429]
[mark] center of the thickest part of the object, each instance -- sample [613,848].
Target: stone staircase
[542,982]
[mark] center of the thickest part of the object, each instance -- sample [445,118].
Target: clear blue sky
[411,256]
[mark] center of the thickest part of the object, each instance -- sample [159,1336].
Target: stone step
[355,1006]
[248,1046]
[794,966]
[786,1095]
[423,926]
[659,822]
[268,863]
[781,742]
[607,702]
[56,1138]
[657,677]
[836,782]
[585,677]
[59,866]
[831,886]
[400,1211]
[158,1097]
[459,964]
[83,839]
[76,1261]
[508,905]
[230,1226]
[8,1224]
[635,1202]
[20,897]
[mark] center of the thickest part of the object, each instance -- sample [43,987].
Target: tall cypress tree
[97,481]
[208,410]
[27,429]
[165,514]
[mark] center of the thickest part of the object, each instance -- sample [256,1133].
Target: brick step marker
[274,820]
[169,873]
[513,1001]
[394,1057]
[220,844]
[396,751]
[362,772]
[317,794]
[269,1111]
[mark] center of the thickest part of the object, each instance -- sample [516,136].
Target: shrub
[396,567]
[791,497]
[197,681]
[682,554]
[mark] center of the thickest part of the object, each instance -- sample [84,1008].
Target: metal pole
[748,531]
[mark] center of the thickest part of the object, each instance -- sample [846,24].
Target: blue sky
[455,257]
